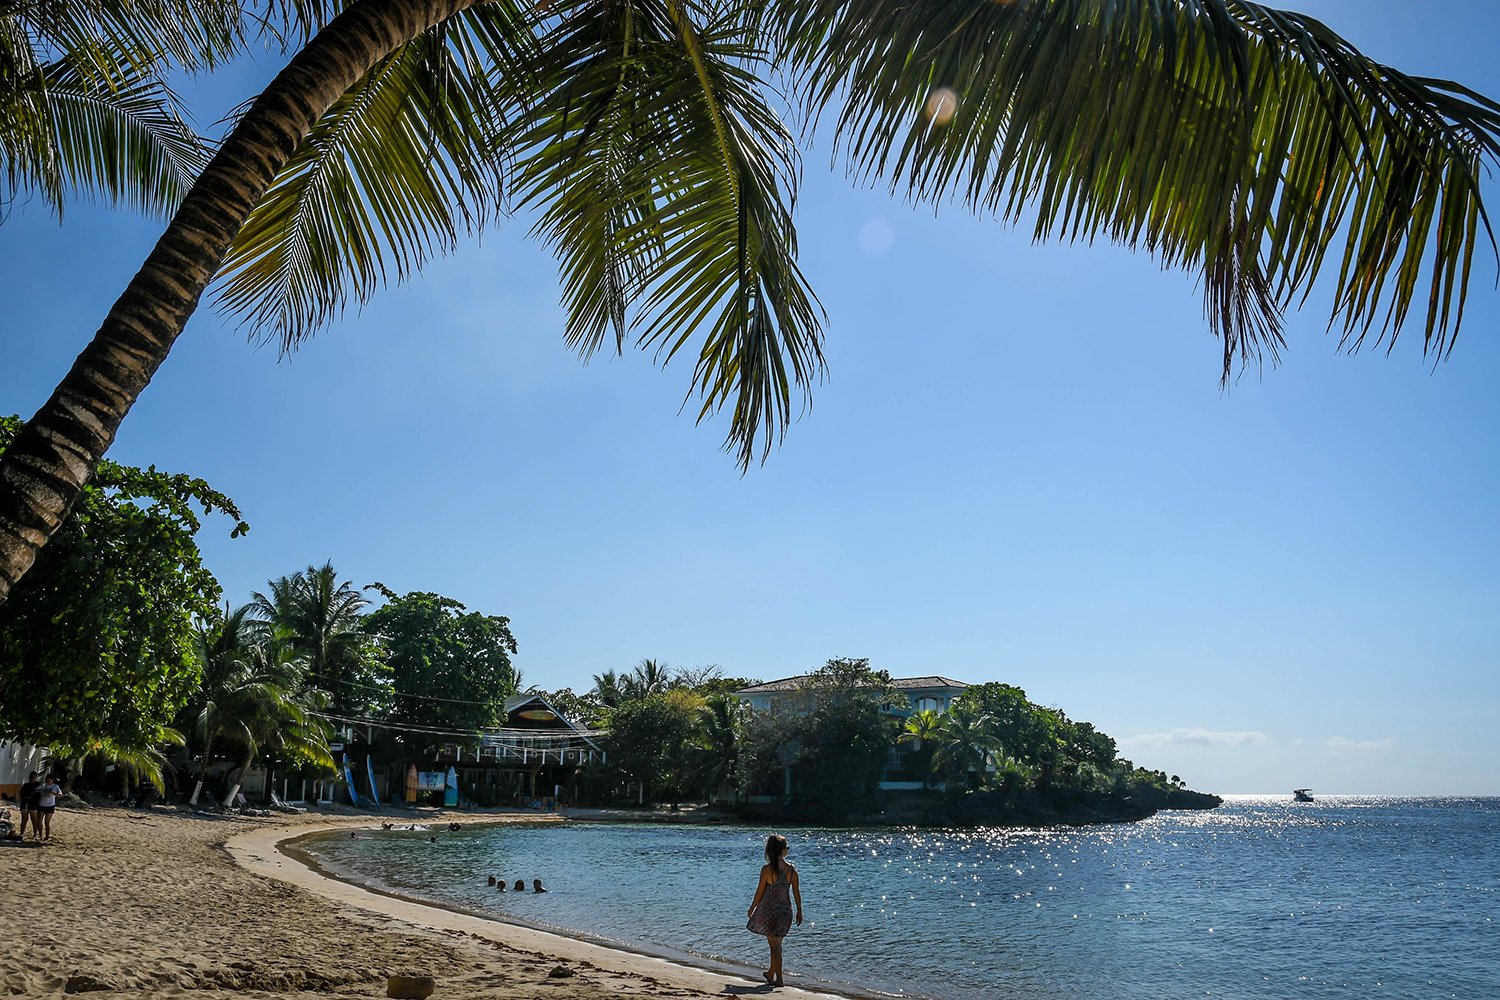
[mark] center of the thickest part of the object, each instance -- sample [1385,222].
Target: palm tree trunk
[234,789]
[43,472]
[208,756]
[75,766]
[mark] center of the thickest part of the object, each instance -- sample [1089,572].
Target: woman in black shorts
[28,806]
[46,802]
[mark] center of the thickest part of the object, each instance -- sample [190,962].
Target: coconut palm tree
[281,714]
[231,689]
[255,694]
[718,742]
[607,688]
[923,731]
[84,107]
[320,617]
[1231,139]
[647,678]
[965,743]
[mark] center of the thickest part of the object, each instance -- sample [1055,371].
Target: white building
[16,761]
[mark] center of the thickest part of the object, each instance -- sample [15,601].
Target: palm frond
[83,105]
[128,143]
[666,182]
[1223,136]
[400,168]
[147,36]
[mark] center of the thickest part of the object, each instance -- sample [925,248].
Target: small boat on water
[1302,795]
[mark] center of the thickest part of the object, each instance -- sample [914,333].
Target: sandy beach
[168,904]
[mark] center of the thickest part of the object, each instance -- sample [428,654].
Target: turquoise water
[1346,897]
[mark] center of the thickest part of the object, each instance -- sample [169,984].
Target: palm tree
[1229,138]
[254,694]
[965,743]
[320,617]
[84,107]
[718,742]
[147,764]
[647,678]
[282,713]
[230,688]
[607,687]
[922,731]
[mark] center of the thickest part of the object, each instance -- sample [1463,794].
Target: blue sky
[1021,468]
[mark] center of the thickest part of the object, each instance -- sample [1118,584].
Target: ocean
[1344,897]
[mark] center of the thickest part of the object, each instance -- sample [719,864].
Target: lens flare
[941,105]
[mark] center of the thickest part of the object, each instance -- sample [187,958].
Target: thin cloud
[1358,746]
[1198,737]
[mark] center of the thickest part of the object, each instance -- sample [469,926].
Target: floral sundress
[773,917]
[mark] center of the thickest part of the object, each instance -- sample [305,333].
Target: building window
[924,704]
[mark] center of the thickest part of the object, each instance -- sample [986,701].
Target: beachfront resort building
[534,755]
[921,693]
[528,760]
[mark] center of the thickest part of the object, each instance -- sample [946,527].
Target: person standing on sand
[26,801]
[46,803]
[771,909]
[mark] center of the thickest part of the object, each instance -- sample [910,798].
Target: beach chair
[280,806]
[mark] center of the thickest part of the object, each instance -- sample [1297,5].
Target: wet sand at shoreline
[182,906]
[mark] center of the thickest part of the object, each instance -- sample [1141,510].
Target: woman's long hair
[775,850]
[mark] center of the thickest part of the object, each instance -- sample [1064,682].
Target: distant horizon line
[1366,795]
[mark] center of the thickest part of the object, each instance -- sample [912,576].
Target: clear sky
[1021,468]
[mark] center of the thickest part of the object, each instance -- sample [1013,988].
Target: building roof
[899,683]
[535,725]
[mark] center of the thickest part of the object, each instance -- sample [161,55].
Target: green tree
[1026,732]
[285,720]
[770,749]
[450,667]
[607,689]
[651,742]
[922,732]
[717,751]
[1241,143]
[647,678]
[322,619]
[846,733]
[1088,745]
[254,693]
[83,104]
[97,648]
[966,744]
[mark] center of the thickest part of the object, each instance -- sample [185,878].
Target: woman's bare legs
[773,974]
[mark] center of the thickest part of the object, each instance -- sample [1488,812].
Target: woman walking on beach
[771,909]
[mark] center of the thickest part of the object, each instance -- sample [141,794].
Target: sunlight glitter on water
[1257,898]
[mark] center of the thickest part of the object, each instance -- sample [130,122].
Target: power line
[570,735]
[405,694]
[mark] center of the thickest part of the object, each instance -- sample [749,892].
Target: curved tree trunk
[208,756]
[234,790]
[43,472]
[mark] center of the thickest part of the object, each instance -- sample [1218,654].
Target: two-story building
[930,692]
[533,755]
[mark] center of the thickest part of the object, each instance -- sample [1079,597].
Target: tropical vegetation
[151,676]
[1248,145]
[116,655]
[255,696]
[822,753]
[448,666]
[98,648]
